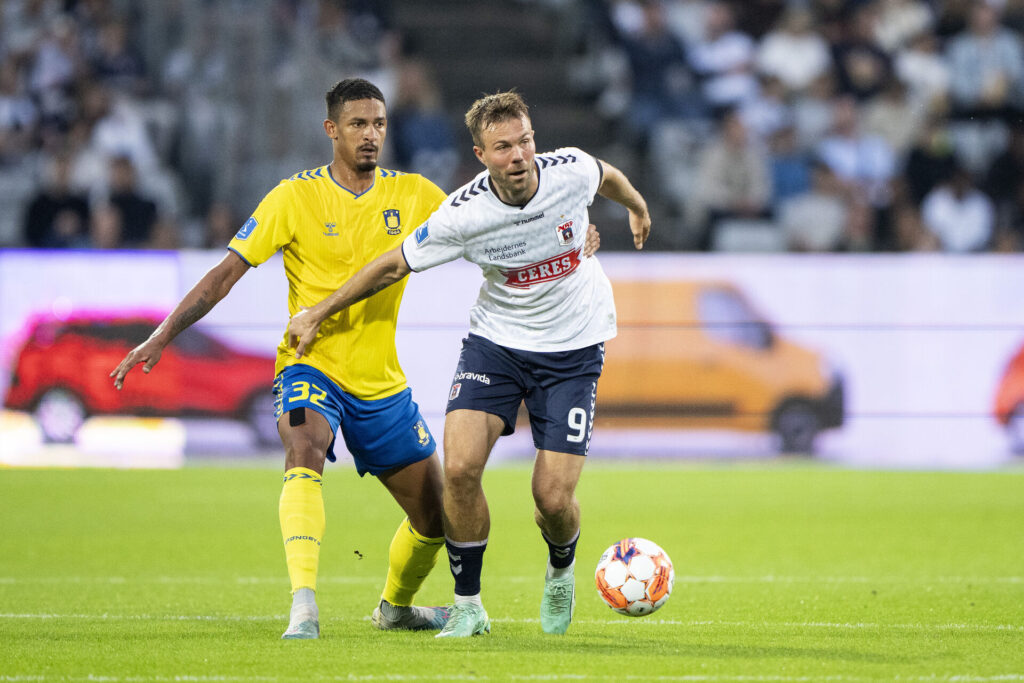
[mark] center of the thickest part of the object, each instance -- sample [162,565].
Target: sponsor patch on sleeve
[422,233]
[246,228]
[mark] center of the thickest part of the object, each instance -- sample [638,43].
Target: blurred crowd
[160,125]
[819,125]
[800,125]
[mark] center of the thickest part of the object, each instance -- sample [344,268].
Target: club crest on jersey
[392,222]
[246,229]
[543,271]
[565,234]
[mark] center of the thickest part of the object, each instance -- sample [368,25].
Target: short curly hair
[491,109]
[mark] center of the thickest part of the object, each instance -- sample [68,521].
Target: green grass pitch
[784,572]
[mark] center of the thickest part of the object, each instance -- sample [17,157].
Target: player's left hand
[302,330]
[593,242]
[640,226]
[147,352]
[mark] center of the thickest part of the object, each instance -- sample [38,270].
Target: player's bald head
[349,90]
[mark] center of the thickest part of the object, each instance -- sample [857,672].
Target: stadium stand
[211,103]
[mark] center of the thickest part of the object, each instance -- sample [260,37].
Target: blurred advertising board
[888,360]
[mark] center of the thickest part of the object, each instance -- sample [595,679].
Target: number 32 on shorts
[577,425]
[301,392]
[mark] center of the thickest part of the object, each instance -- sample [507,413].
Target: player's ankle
[468,600]
[304,596]
[559,572]
[393,611]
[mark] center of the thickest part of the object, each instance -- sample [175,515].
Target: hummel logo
[456,568]
[561,552]
[452,560]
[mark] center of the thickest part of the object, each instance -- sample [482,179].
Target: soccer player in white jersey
[536,333]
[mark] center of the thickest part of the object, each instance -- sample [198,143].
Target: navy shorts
[559,387]
[381,435]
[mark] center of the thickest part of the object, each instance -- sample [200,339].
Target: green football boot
[558,603]
[464,621]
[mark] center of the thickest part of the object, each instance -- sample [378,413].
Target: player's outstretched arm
[203,296]
[616,187]
[383,271]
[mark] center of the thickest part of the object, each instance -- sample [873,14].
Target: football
[634,577]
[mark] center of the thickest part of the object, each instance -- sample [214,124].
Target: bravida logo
[543,271]
[475,376]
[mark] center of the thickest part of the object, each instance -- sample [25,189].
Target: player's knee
[461,474]
[305,453]
[553,501]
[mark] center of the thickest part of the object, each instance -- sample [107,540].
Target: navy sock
[466,561]
[561,556]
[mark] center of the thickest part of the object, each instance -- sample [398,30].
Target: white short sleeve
[590,169]
[435,242]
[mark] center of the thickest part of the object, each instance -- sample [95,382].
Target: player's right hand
[302,330]
[147,352]
[593,241]
[640,226]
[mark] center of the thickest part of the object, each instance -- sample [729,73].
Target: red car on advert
[61,375]
[1010,401]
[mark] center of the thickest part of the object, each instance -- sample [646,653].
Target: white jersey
[539,292]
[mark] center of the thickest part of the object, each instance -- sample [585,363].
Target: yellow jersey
[327,233]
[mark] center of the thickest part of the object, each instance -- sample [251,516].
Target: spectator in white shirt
[794,52]
[959,214]
[900,20]
[863,161]
[724,60]
[925,72]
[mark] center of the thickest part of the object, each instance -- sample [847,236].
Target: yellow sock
[301,512]
[411,558]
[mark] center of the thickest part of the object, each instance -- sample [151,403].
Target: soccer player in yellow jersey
[329,222]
